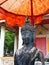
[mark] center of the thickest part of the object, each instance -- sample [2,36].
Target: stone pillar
[2,34]
[15,43]
[2,41]
[20,39]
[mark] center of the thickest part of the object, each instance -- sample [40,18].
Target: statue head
[27,32]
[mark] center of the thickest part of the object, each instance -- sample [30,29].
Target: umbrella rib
[20,6]
[11,13]
[15,2]
[3,2]
[12,4]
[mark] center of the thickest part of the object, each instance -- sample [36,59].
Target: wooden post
[20,39]
[2,34]
[2,41]
[15,43]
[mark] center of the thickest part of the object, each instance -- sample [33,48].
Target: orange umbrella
[15,11]
[2,1]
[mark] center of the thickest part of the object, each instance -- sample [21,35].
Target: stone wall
[10,61]
[7,61]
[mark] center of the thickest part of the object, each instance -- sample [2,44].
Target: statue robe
[27,56]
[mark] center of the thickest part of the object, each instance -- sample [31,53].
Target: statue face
[27,37]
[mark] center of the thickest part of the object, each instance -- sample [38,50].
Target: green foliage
[9,41]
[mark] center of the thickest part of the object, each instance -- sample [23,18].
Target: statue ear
[23,43]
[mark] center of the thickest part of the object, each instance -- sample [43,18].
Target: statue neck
[30,45]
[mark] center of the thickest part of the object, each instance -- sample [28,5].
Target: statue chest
[25,56]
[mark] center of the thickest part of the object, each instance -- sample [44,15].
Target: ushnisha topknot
[27,25]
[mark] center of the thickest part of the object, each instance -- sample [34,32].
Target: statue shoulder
[36,51]
[19,51]
[34,48]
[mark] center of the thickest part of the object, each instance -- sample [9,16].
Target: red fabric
[41,44]
[24,7]
[15,11]
[12,20]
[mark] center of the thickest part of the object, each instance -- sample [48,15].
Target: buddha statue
[28,53]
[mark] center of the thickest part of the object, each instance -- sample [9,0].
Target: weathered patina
[28,53]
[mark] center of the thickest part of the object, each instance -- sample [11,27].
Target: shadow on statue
[28,53]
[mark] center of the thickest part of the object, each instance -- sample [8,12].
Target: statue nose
[25,38]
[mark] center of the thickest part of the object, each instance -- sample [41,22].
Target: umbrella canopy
[15,11]
[2,1]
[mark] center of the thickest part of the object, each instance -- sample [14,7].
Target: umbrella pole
[32,19]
